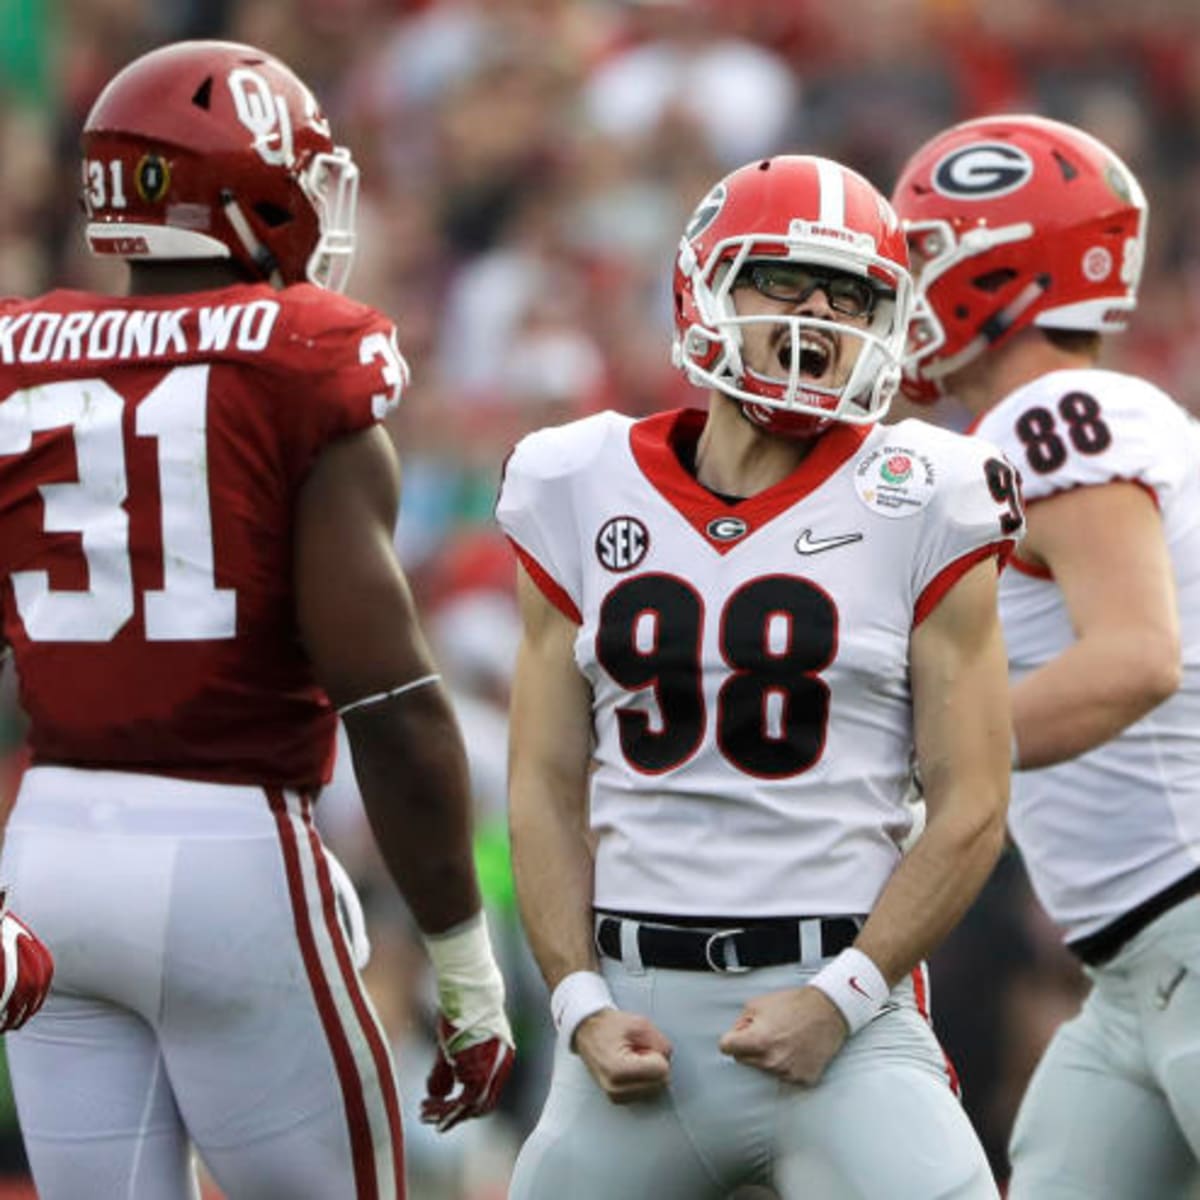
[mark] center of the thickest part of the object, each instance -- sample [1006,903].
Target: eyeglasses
[793,283]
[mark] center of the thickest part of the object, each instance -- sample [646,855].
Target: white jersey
[1113,827]
[749,662]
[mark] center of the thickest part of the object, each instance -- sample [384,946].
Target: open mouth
[816,353]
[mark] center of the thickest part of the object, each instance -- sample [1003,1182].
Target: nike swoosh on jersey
[807,544]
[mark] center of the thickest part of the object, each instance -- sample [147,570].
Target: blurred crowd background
[528,166]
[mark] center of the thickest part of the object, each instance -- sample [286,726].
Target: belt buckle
[722,968]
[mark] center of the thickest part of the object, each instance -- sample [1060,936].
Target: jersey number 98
[776,634]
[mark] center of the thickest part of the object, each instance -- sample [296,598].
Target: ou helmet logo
[265,114]
[983,171]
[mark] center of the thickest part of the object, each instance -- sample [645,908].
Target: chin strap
[262,258]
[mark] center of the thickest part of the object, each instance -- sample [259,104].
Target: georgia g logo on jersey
[982,171]
[622,543]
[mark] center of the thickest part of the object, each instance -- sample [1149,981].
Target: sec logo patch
[622,543]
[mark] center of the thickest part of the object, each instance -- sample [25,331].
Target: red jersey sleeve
[338,370]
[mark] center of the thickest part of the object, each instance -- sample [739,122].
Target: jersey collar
[653,442]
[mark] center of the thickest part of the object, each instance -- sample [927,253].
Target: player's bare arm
[1104,546]
[962,736]
[959,682]
[360,628]
[550,752]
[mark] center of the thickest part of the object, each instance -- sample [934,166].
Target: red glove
[479,1069]
[26,969]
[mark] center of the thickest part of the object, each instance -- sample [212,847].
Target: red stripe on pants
[367,1022]
[365,1184]
[921,995]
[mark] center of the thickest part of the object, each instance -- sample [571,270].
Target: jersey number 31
[189,606]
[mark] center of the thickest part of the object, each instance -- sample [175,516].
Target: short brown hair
[1075,341]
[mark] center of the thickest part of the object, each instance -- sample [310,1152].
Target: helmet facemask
[935,251]
[711,348]
[330,181]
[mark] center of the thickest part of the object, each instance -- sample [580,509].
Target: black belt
[729,947]
[1097,948]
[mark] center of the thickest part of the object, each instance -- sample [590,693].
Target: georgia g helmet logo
[983,171]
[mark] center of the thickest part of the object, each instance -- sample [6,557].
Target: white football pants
[204,994]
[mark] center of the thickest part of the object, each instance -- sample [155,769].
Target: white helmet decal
[264,114]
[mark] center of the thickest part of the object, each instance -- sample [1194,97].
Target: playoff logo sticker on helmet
[152,178]
[983,171]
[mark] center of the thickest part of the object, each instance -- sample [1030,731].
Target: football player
[737,624]
[196,511]
[1028,237]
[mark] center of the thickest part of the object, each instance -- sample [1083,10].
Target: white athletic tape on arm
[578,996]
[855,984]
[469,984]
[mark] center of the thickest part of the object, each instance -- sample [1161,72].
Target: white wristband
[854,984]
[578,996]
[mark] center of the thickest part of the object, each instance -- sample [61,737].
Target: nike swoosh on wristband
[855,986]
[807,544]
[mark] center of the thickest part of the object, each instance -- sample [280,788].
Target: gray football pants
[1113,1109]
[883,1123]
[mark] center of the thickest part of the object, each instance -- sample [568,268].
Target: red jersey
[151,454]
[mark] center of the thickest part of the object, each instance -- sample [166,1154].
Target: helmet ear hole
[993,281]
[273,215]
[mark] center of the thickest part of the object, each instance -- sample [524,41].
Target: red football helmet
[204,150]
[1012,221]
[798,209]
